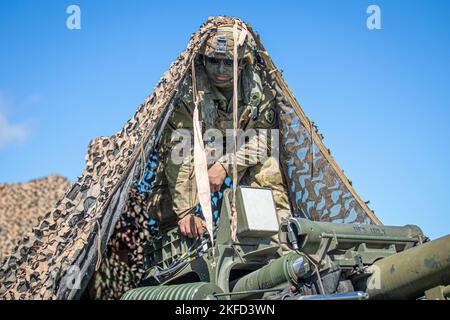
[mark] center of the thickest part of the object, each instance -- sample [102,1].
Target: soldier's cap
[220,44]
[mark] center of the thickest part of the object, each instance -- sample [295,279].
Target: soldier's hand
[216,175]
[191,226]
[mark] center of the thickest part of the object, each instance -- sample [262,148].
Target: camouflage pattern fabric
[221,44]
[101,224]
[23,204]
[316,193]
[77,230]
[326,194]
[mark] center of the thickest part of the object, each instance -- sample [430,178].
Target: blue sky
[380,97]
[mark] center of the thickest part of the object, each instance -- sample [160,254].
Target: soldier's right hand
[191,226]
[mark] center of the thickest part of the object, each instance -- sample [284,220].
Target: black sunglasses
[227,62]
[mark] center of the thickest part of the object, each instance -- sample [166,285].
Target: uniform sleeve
[178,167]
[249,154]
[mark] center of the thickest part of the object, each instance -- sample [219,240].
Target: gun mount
[320,260]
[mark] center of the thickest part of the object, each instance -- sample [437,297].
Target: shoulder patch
[269,115]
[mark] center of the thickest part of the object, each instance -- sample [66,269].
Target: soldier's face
[220,72]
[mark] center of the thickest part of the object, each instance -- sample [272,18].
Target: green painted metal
[187,291]
[438,293]
[286,269]
[311,234]
[407,275]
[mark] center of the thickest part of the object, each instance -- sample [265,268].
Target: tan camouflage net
[22,204]
[104,214]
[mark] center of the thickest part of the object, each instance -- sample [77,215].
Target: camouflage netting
[22,204]
[101,224]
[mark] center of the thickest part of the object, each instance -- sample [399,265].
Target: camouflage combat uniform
[180,177]
[256,110]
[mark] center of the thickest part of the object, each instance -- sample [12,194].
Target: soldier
[256,110]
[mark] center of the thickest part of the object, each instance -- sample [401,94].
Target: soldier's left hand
[216,175]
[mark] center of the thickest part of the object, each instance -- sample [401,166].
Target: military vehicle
[323,261]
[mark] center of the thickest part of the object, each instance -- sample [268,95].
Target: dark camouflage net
[101,224]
